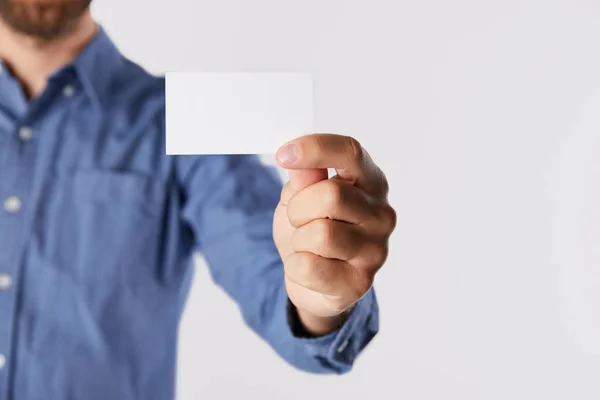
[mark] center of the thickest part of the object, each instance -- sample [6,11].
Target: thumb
[299,178]
[302,178]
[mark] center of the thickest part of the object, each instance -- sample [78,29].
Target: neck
[32,60]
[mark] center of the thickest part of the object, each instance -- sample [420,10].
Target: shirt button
[2,361]
[69,90]
[5,281]
[343,346]
[12,204]
[25,133]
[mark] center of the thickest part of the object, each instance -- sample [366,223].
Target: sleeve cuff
[341,348]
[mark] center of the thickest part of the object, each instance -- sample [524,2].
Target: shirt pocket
[101,226]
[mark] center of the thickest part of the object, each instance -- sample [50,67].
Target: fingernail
[288,154]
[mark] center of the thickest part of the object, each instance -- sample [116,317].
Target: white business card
[236,113]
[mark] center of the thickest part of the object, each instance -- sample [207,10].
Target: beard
[42,19]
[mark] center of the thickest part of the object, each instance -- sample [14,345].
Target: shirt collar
[95,67]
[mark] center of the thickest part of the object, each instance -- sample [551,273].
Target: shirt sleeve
[228,202]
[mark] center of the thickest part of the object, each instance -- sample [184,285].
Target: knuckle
[320,144]
[388,217]
[364,282]
[355,149]
[380,254]
[385,185]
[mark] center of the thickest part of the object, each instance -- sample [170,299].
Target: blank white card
[236,113]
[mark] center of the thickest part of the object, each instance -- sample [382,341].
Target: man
[98,225]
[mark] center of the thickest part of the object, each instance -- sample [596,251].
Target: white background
[486,117]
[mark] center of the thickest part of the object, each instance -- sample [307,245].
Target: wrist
[320,326]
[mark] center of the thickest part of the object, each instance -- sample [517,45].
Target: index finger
[320,151]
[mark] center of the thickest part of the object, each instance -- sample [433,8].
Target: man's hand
[332,234]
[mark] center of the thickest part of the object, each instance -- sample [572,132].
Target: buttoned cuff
[338,350]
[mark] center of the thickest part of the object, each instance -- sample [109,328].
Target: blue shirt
[98,229]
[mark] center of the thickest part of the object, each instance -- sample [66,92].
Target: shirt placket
[17,165]
[18,157]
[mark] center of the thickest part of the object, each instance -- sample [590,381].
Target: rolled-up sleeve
[228,204]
